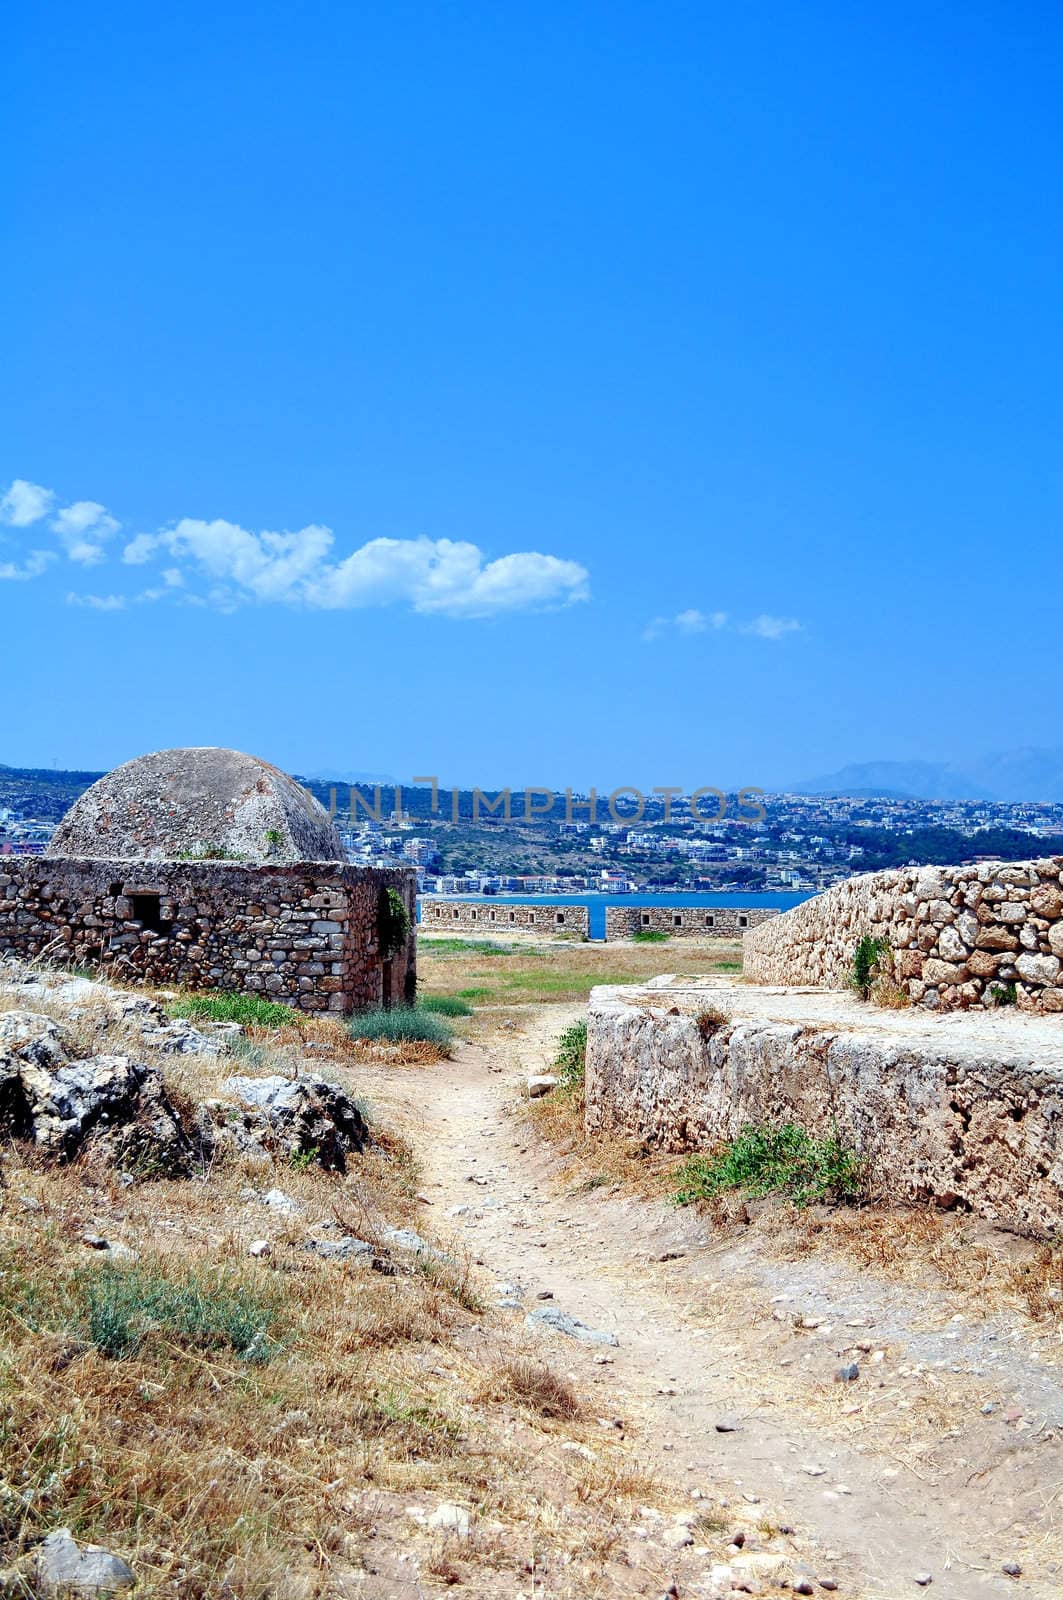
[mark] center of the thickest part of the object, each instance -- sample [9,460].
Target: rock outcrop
[112,1105]
[302,1118]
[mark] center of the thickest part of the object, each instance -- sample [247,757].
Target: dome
[202,804]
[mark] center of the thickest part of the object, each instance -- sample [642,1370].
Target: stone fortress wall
[306,934]
[497,916]
[685,922]
[960,936]
[621,922]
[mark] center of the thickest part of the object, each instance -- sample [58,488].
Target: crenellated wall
[307,934]
[960,936]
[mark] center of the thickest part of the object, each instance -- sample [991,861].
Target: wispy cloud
[98,602]
[766,627]
[693,621]
[687,622]
[35,563]
[222,564]
[83,528]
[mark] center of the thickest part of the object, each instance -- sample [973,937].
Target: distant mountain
[1025,774]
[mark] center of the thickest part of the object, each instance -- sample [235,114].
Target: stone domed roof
[203,802]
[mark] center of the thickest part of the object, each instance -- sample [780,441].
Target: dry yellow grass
[215,1474]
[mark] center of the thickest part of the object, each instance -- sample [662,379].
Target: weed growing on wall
[775,1160]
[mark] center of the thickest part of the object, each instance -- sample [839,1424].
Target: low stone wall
[960,936]
[487,916]
[966,1114]
[306,934]
[685,922]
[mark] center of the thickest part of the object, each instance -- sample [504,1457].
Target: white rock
[449,1518]
[64,1565]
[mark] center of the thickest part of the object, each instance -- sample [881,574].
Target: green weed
[781,1160]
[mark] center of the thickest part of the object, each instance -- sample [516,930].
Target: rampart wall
[958,936]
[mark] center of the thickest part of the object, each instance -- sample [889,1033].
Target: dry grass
[263,1479]
[528,1383]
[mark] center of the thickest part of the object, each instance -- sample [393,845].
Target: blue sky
[532,393]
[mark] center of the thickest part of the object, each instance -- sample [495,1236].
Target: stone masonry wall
[960,936]
[965,1115]
[486,916]
[685,922]
[304,934]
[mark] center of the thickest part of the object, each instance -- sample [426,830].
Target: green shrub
[247,1009]
[207,1309]
[571,1059]
[780,1160]
[402,1025]
[649,936]
[872,959]
[445,1005]
[1004,994]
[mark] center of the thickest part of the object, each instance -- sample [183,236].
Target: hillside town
[801,843]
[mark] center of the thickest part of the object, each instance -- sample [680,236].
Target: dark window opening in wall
[147,909]
[457,913]
[743,922]
[645,919]
[677,922]
[512,916]
[492,916]
[115,889]
[710,922]
[474,915]
[560,916]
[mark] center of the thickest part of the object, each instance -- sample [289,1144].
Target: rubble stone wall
[685,922]
[498,916]
[960,936]
[307,934]
[971,1126]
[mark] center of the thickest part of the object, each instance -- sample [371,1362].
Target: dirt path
[942,1457]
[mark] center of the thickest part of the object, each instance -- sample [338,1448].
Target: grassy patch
[402,1025]
[649,936]
[445,1005]
[250,1010]
[201,1309]
[782,1160]
[451,947]
[528,974]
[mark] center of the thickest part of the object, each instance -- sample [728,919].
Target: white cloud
[766,627]
[25,503]
[442,577]
[688,622]
[32,567]
[98,602]
[692,622]
[83,528]
[699,622]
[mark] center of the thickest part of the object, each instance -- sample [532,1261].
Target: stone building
[212,869]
